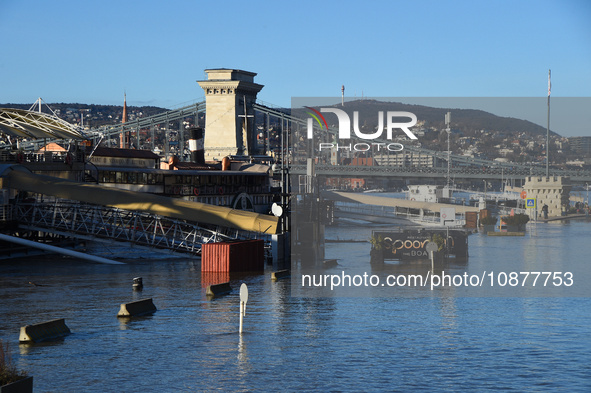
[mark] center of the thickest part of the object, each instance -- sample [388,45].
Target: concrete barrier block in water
[44,331]
[218,289]
[137,308]
[279,274]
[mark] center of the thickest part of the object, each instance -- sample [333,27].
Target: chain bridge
[461,167]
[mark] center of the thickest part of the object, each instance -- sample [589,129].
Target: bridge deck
[393,202]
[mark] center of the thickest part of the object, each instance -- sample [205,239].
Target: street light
[447,121]
[82,117]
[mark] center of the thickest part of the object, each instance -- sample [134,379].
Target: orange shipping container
[240,256]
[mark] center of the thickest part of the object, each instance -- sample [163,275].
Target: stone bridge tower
[551,191]
[229,114]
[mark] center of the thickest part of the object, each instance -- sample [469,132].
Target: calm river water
[439,341]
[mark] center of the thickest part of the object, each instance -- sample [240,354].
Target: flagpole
[548,130]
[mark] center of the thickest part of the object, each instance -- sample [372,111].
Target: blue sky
[91,52]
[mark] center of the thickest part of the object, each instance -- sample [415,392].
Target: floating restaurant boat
[403,244]
[244,183]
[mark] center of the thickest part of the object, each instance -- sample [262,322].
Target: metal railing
[89,221]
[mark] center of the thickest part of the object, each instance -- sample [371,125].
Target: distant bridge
[438,173]
[462,167]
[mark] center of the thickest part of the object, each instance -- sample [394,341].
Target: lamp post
[447,121]
[82,117]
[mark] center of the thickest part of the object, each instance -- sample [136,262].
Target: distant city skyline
[92,53]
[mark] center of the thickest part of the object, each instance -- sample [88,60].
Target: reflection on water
[439,341]
[243,361]
[496,266]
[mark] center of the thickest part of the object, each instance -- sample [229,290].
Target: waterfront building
[405,159]
[581,144]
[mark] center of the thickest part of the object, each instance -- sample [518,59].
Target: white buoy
[137,284]
[243,300]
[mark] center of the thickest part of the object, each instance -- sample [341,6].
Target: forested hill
[463,120]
